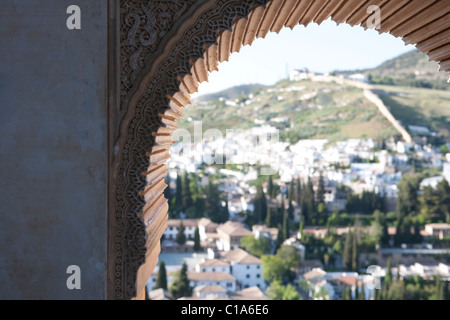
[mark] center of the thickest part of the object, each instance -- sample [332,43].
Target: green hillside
[313,110]
[412,69]
[301,110]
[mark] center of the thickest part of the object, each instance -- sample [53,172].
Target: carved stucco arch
[166,49]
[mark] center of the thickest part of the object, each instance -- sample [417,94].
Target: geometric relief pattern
[144,26]
[189,38]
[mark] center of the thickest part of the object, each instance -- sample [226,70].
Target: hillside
[301,110]
[411,69]
[313,109]
[230,93]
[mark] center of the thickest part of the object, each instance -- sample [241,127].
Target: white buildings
[174,224]
[246,268]
[222,279]
[230,235]
[206,228]
[438,230]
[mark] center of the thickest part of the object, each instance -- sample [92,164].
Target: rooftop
[210,276]
[240,256]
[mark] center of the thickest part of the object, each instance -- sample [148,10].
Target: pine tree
[197,245]
[161,279]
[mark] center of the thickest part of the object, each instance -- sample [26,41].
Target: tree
[161,279]
[181,237]
[260,205]
[277,291]
[270,188]
[186,192]
[180,284]
[179,193]
[407,201]
[282,265]
[285,221]
[388,276]
[321,190]
[308,204]
[256,247]
[443,189]
[355,257]
[381,234]
[213,207]
[347,254]
[268,221]
[197,244]
[273,268]
[290,200]
[279,240]
[298,191]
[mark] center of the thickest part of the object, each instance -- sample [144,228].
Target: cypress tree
[355,256]
[180,285]
[268,218]
[321,190]
[161,279]
[279,241]
[285,221]
[270,188]
[181,237]
[179,194]
[197,245]
[260,205]
[298,193]
[186,192]
[388,276]
[347,253]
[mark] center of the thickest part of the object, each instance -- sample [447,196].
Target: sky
[323,48]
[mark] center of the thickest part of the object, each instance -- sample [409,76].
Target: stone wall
[53,149]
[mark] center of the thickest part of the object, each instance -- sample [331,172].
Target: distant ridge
[411,69]
[230,93]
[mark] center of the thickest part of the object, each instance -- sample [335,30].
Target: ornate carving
[145,27]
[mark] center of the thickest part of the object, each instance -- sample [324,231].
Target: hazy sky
[321,48]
